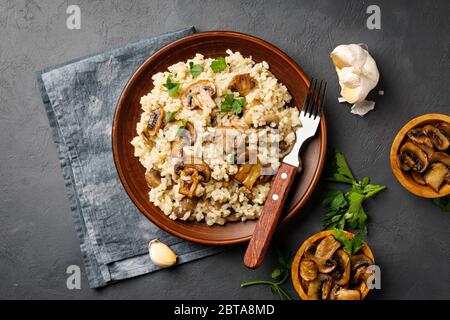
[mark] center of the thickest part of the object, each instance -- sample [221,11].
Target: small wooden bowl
[295,268]
[405,178]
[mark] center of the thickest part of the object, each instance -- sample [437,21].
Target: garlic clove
[161,254]
[358,75]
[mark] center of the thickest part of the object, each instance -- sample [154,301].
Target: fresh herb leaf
[195,69]
[230,104]
[276,274]
[443,203]
[172,87]
[351,246]
[218,64]
[169,116]
[279,276]
[346,209]
[340,171]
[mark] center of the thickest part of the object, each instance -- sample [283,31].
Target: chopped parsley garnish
[195,69]
[172,87]
[230,104]
[218,64]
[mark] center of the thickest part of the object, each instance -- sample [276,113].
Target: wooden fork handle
[269,217]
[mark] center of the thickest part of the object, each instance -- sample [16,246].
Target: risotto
[211,136]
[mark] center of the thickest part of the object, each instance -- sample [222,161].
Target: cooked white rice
[222,198]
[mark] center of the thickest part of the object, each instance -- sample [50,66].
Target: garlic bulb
[161,254]
[358,75]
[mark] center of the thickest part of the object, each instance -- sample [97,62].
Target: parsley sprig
[195,69]
[232,104]
[172,87]
[279,276]
[346,208]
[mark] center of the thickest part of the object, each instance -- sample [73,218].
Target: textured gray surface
[409,236]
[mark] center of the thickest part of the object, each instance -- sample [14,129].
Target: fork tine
[311,90]
[308,98]
[322,98]
[315,106]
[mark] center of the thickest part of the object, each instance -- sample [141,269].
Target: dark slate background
[409,236]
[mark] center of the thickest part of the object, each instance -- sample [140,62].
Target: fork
[310,117]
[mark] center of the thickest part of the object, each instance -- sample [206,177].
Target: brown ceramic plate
[128,111]
[405,178]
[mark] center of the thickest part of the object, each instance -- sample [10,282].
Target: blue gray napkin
[80,99]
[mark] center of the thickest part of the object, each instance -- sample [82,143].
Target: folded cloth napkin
[80,99]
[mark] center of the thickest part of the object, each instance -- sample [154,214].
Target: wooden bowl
[295,271]
[128,112]
[404,177]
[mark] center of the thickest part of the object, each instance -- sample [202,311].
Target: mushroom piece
[418,137]
[185,137]
[186,205]
[242,83]
[444,127]
[199,95]
[191,176]
[154,123]
[324,264]
[346,294]
[413,157]
[248,174]
[360,263]
[268,119]
[153,178]
[308,270]
[342,272]
[441,157]
[436,175]
[403,166]
[327,247]
[439,140]
[418,178]
[320,288]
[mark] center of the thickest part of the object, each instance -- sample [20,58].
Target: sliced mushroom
[417,136]
[269,119]
[185,137]
[153,178]
[248,174]
[308,270]
[359,260]
[360,263]
[403,166]
[191,176]
[325,265]
[342,272]
[413,157]
[186,205]
[155,122]
[242,83]
[327,247]
[320,288]
[199,95]
[347,294]
[444,127]
[418,178]
[436,175]
[441,157]
[439,140]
